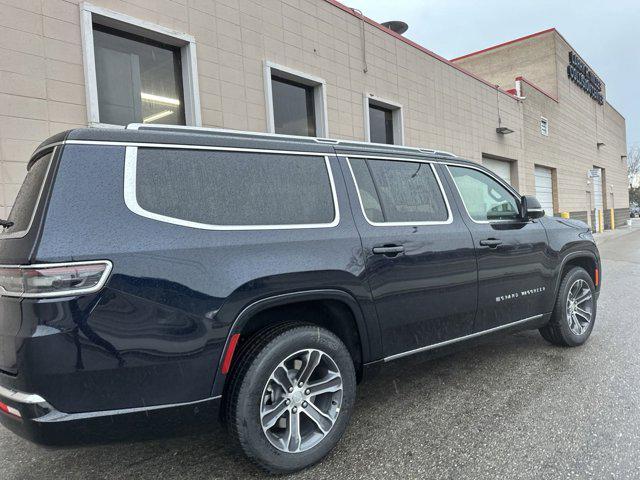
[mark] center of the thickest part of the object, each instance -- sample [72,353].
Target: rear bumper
[36,420]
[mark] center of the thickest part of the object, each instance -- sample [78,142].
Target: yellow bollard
[600,222]
[613,219]
[564,214]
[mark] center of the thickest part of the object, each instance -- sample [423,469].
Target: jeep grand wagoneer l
[160,269]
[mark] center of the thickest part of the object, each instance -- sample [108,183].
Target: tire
[253,391]
[565,329]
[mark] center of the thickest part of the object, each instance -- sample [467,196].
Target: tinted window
[395,191]
[366,188]
[380,124]
[232,188]
[25,204]
[138,80]
[293,108]
[484,198]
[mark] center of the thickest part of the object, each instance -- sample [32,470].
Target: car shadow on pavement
[418,396]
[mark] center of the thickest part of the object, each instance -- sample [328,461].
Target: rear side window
[234,189]
[393,191]
[25,204]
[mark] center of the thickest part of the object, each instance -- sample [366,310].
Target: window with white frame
[544,126]
[137,72]
[383,121]
[296,102]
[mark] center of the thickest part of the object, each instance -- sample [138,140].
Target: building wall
[586,124]
[42,87]
[576,122]
[532,58]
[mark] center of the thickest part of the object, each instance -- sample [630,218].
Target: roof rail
[332,141]
[186,128]
[442,153]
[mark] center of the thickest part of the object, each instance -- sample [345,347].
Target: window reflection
[293,107]
[139,80]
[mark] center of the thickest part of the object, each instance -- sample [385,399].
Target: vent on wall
[544,126]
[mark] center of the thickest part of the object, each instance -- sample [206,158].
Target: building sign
[594,173]
[582,76]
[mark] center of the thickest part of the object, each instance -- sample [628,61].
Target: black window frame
[178,68]
[310,104]
[385,223]
[389,126]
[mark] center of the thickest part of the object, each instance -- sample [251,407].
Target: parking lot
[512,407]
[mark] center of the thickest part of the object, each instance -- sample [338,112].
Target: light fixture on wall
[500,130]
[600,144]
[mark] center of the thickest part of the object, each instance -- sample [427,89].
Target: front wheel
[574,314]
[290,397]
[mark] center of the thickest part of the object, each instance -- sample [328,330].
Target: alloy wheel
[579,307]
[301,401]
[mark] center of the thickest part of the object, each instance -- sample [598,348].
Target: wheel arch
[334,309]
[585,259]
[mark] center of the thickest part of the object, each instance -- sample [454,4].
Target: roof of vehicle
[180,135]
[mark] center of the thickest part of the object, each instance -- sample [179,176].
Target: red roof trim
[526,37]
[533,85]
[373,23]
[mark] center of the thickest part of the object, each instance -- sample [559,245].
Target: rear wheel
[575,310]
[290,397]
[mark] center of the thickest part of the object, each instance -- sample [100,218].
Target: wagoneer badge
[523,293]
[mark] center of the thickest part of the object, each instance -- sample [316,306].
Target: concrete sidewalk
[618,232]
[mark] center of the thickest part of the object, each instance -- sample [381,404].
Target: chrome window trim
[460,339]
[449,219]
[46,147]
[62,293]
[130,197]
[509,190]
[23,233]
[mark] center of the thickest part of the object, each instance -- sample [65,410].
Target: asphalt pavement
[512,407]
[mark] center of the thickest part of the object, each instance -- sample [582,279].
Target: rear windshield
[27,199]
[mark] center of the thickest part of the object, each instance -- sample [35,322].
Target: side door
[419,257]
[514,269]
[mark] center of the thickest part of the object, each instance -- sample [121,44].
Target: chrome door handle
[389,250]
[491,243]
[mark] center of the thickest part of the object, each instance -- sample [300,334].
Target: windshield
[25,204]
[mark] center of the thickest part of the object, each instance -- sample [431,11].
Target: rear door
[419,257]
[16,245]
[514,269]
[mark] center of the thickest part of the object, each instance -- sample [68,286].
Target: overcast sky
[606,33]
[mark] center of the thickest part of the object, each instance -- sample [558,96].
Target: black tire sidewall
[251,387]
[570,278]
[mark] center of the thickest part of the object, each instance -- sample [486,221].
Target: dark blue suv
[171,273]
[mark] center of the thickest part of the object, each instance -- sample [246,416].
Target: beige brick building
[234,60]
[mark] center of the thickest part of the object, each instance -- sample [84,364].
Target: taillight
[53,280]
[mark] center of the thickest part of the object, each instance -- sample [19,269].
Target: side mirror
[531,208]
